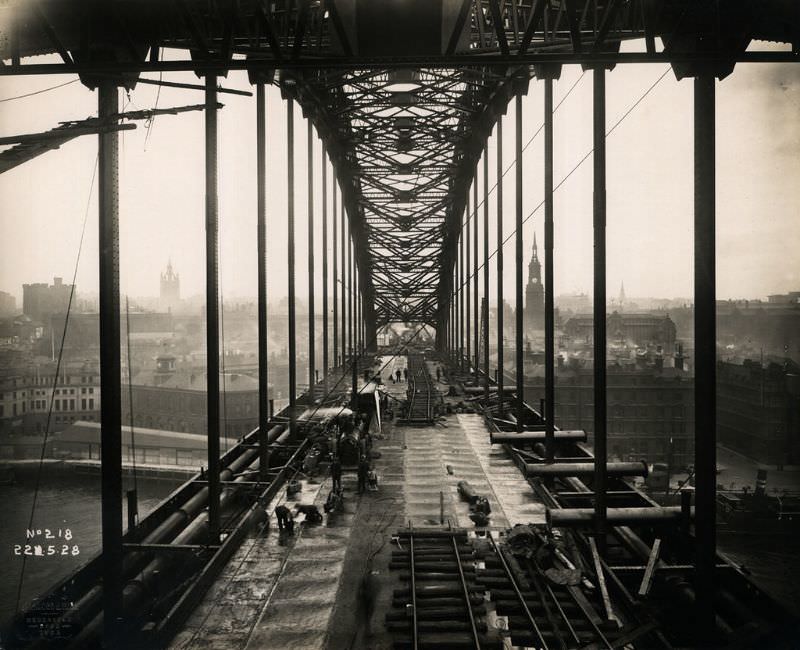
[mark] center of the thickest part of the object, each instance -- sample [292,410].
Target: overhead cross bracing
[403,143]
[225,35]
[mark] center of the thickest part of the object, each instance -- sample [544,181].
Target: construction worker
[285,519]
[438,373]
[399,375]
[405,373]
[336,473]
[363,472]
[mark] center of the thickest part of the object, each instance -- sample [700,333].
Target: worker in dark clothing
[405,373]
[285,519]
[363,472]
[336,473]
[398,374]
[438,373]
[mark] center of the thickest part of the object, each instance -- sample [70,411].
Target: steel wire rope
[527,144]
[575,168]
[38,92]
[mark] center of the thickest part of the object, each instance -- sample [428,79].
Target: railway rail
[441,606]
[471,591]
[422,393]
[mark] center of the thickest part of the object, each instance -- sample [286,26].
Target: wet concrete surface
[278,590]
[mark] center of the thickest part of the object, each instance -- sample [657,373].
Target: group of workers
[399,376]
[326,437]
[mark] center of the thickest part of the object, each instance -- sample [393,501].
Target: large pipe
[110,405]
[474,390]
[195,532]
[705,345]
[194,507]
[635,468]
[599,311]
[504,438]
[649,515]
[212,308]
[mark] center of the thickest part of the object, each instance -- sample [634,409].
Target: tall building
[170,295]
[534,295]
[758,407]
[640,329]
[29,385]
[8,304]
[40,301]
[173,398]
[650,410]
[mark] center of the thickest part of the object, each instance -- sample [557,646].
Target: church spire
[534,266]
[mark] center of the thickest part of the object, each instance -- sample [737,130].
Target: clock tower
[534,295]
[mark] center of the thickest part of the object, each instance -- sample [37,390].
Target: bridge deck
[311,590]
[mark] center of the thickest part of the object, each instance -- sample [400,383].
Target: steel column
[475,306]
[705,345]
[468,287]
[357,303]
[311,298]
[351,317]
[461,275]
[110,368]
[520,359]
[325,306]
[600,451]
[549,313]
[212,307]
[349,293]
[343,237]
[485,315]
[290,260]
[499,319]
[263,372]
[335,280]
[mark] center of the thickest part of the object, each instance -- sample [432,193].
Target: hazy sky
[650,188]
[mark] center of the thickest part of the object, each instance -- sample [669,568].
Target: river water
[64,503]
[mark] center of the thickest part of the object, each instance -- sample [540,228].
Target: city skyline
[162,190]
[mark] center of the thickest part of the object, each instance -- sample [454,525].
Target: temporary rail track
[422,393]
[441,606]
[471,592]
